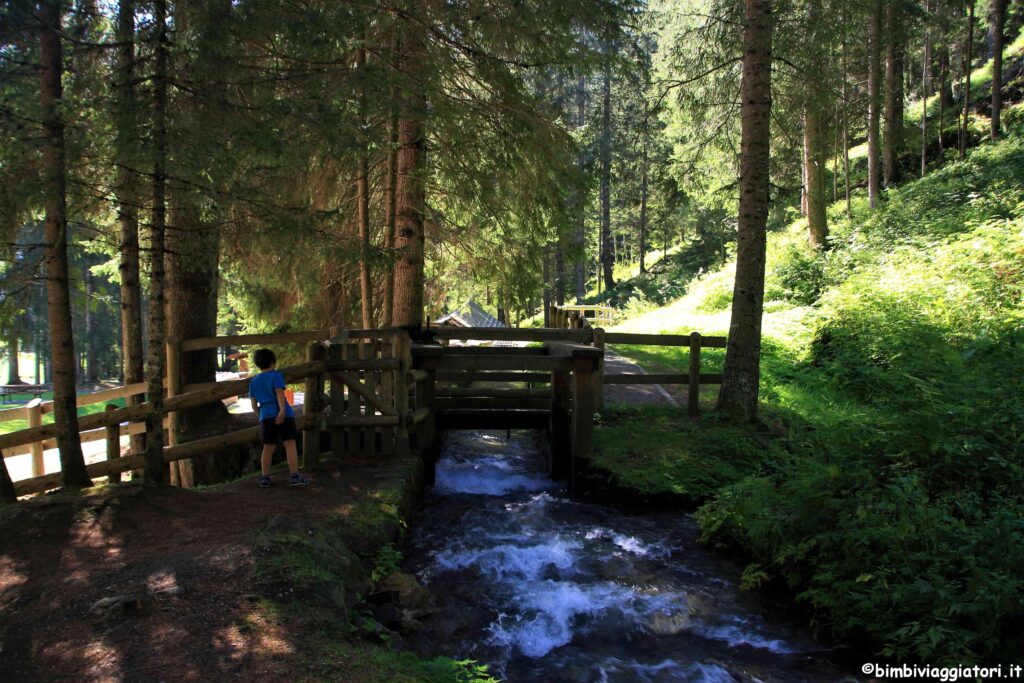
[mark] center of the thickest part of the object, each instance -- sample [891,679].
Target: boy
[277,420]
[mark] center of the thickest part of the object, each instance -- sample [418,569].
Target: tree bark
[998,10]
[581,236]
[893,133]
[741,375]
[409,191]
[390,179]
[13,348]
[643,202]
[817,219]
[91,371]
[546,292]
[874,102]
[607,255]
[363,200]
[846,114]
[55,257]
[926,59]
[128,197]
[967,63]
[155,470]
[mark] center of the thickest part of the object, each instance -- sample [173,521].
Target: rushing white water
[545,588]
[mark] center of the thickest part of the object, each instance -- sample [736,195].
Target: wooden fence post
[402,347]
[113,443]
[338,444]
[693,402]
[582,419]
[311,405]
[599,371]
[34,413]
[560,426]
[181,470]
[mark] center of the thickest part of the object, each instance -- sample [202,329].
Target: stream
[544,588]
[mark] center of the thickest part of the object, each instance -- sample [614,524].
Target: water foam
[486,476]
[511,560]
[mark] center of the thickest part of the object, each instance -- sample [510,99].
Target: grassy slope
[889,496]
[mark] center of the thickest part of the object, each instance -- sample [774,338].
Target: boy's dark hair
[264,358]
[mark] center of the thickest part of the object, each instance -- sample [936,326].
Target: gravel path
[632,394]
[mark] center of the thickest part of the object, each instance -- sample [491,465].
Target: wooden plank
[35,420]
[402,352]
[693,395]
[364,421]
[568,350]
[661,339]
[371,400]
[13,414]
[511,334]
[492,403]
[528,377]
[560,426]
[493,392]
[418,375]
[354,385]
[660,378]
[338,442]
[582,418]
[527,363]
[313,388]
[492,419]
[493,351]
[598,378]
[102,395]
[113,436]
[419,415]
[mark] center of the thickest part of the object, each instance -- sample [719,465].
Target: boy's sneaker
[299,480]
[264,482]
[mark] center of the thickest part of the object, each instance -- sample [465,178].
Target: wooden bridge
[382,392]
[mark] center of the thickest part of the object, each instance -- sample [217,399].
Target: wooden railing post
[113,443]
[337,396]
[34,413]
[693,402]
[181,471]
[599,371]
[560,426]
[312,406]
[582,419]
[402,347]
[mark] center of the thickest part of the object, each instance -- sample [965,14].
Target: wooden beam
[492,419]
[370,397]
[662,340]
[528,377]
[527,363]
[512,334]
[478,403]
[492,392]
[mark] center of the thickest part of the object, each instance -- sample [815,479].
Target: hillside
[890,496]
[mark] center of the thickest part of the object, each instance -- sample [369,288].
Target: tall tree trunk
[926,59]
[155,471]
[967,63]
[741,375]
[998,10]
[607,255]
[893,133]
[817,219]
[128,197]
[874,102]
[13,371]
[55,257]
[846,114]
[546,292]
[581,235]
[91,371]
[390,178]
[559,272]
[409,191]
[643,202]
[363,199]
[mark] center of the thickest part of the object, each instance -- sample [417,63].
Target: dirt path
[632,394]
[185,561]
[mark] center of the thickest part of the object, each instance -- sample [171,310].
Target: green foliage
[387,562]
[890,498]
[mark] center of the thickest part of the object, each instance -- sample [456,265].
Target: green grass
[22,423]
[888,484]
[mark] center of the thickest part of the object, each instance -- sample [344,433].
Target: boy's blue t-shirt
[263,387]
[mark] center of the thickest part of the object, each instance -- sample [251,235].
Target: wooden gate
[369,393]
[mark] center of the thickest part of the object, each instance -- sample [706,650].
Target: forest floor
[128,583]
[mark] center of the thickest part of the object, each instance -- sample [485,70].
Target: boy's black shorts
[271,432]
